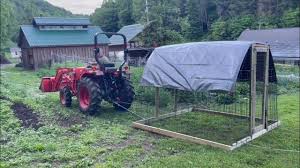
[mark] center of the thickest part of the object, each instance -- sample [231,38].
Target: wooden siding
[137,61]
[24,57]
[116,48]
[41,56]
[120,47]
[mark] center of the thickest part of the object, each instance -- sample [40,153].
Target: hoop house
[221,94]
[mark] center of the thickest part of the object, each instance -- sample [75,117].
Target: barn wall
[116,48]
[43,55]
[24,45]
[24,57]
[113,51]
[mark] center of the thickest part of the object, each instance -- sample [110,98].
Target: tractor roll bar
[96,49]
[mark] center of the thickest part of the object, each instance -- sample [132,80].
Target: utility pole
[147,11]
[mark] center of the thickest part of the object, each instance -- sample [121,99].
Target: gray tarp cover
[196,66]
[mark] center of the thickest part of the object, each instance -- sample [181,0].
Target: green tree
[184,27]
[194,20]
[230,29]
[164,28]
[7,23]
[238,24]
[291,18]
[139,8]
[106,16]
[198,18]
[126,12]
[219,30]
[183,8]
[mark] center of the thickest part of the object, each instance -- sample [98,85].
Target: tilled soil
[26,115]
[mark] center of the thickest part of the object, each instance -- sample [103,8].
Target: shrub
[226,98]
[147,94]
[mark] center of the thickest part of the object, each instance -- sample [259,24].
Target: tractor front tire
[125,96]
[65,97]
[89,96]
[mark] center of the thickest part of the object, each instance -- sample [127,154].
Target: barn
[51,39]
[137,54]
[131,32]
[284,43]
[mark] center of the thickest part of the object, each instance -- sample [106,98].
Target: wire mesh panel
[144,104]
[217,116]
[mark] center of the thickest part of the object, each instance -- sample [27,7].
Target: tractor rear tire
[89,96]
[125,97]
[65,97]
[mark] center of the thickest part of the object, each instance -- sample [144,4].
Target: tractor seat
[109,65]
[110,69]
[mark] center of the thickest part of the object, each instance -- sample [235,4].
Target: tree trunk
[265,7]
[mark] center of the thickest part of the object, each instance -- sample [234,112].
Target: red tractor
[94,83]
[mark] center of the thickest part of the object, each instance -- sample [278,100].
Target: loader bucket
[47,84]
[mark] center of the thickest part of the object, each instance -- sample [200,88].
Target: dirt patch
[127,142]
[26,115]
[146,144]
[71,120]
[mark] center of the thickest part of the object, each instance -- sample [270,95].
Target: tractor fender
[91,74]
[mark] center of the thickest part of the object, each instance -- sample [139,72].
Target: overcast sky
[77,6]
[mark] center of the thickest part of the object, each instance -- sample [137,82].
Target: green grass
[72,139]
[213,127]
[288,78]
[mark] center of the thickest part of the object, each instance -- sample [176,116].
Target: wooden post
[157,102]
[175,100]
[266,86]
[253,89]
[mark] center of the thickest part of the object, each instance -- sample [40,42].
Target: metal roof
[44,38]
[130,31]
[56,21]
[284,43]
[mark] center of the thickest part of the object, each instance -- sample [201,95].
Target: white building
[15,52]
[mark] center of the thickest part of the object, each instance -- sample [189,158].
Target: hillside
[30,8]
[16,12]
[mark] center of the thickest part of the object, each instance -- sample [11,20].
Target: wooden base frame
[141,124]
